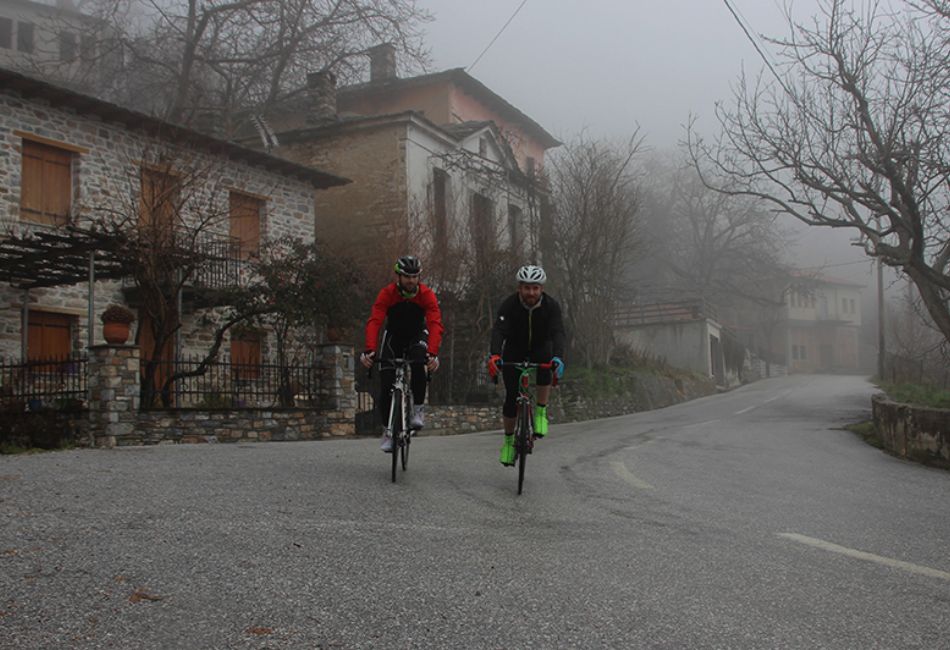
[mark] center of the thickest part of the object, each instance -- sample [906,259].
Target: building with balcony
[822,326]
[441,164]
[68,161]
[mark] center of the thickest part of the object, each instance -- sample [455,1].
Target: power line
[755,44]
[487,47]
[868,260]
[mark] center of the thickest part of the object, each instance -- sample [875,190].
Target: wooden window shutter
[246,355]
[245,228]
[159,201]
[46,184]
[50,336]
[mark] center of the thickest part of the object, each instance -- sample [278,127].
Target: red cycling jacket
[407,319]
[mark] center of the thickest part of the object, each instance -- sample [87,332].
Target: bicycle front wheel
[404,451]
[396,419]
[522,440]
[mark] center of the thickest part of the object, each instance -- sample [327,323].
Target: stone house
[67,157]
[437,158]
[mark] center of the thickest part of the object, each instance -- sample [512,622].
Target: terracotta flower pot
[115,333]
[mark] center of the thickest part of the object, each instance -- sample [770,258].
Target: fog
[608,66]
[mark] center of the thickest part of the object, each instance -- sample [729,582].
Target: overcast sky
[608,65]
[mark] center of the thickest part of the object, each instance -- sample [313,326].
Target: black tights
[511,376]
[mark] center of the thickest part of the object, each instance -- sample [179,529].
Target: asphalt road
[742,520]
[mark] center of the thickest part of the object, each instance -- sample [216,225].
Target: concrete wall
[683,344]
[921,434]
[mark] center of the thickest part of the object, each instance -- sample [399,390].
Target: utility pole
[880,319]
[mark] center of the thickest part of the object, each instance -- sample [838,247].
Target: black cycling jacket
[520,333]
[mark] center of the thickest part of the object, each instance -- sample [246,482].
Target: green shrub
[918,394]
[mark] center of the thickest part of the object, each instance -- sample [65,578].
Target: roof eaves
[470,84]
[59,96]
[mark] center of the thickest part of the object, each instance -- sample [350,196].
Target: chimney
[382,62]
[321,92]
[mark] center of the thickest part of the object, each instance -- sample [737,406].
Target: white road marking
[699,424]
[745,410]
[869,557]
[621,470]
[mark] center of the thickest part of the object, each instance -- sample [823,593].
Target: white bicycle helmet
[531,274]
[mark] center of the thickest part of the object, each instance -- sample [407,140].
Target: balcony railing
[663,312]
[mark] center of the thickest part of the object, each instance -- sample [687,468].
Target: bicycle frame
[399,412]
[524,422]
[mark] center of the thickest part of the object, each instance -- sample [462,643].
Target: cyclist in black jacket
[528,327]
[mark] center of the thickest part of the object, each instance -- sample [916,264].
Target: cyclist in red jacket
[413,331]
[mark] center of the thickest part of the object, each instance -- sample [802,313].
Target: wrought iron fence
[225,385]
[43,384]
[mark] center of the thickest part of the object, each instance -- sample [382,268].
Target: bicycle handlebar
[526,364]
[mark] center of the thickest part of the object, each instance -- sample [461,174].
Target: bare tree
[721,248]
[854,135]
[184,59]
[594,194]
[470,262]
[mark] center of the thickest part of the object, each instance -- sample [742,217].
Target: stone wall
[115,419]
[643,392]
[236,425]
[921,434]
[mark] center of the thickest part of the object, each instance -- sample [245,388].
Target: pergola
[63,256]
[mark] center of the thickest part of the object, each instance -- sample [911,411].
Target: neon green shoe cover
[507,456]
[540,421]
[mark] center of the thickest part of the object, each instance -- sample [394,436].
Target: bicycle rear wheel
[522,440]
[396,418]
[406,438]
[404,451]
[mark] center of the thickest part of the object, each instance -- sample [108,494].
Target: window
[440,224]
[483,231]
[515,228]
[529,165]
[67,46]
[159,205]
[24,37]
[853,307]
[483,147]
[245,228]
[844,305]
[6,33]
[801,352]
[46,186]
[246,354]
[87,47]
[49,335]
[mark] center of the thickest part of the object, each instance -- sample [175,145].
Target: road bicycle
[524,420]
[399,409]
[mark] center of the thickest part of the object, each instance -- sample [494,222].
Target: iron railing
[663,312]
[222,266]
[43,384]
[221,263]
[225,385]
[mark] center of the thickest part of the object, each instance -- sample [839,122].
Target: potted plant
[116,322]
